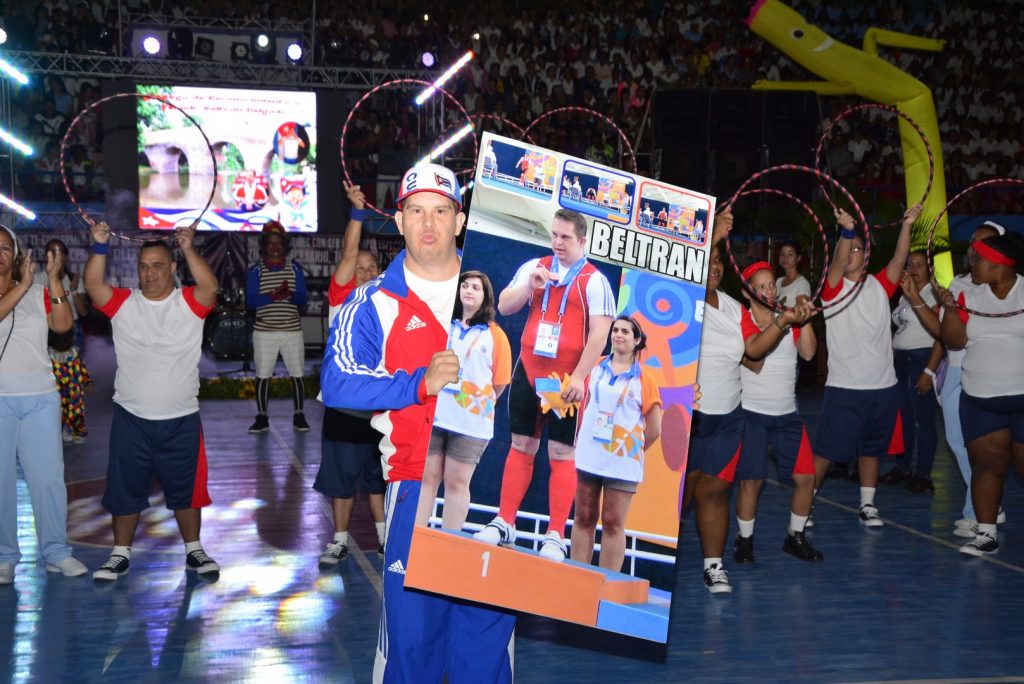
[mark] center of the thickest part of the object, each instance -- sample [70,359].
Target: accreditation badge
[546,343]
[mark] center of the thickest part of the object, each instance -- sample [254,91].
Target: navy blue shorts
[980,416]
[525,417]
[171,450]
[786,435]
[715,442]
[857,423]
[425,636]
[343,464]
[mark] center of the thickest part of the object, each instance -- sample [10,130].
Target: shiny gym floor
[895,605]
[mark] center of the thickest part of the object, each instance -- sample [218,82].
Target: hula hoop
[392,84]
[857,213]
[820,149]
[67,184]
[585,110]
[775,306]
[935,224]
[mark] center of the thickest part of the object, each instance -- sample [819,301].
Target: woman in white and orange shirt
[621,419]
[464,420]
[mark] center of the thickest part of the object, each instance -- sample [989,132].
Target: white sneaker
[69,567]
[6,573]
[966,528]
[716,579]
[982,545]
[335,553]
[553,547]
[497,532]
[869,516]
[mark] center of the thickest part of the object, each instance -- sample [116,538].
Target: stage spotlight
[294,53]
[476,36]
[426,17]
[204,48]
[263,49]
[427,59]
[179,43]
[3,36]
[151,45]
[239,52]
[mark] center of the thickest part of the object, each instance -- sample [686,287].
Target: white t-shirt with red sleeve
[158,344]
[25,367]
[772,392]
[336,296]
[959,284]
[994,360]
[857,332]
[721,350]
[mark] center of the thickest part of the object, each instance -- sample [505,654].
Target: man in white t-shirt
[156,431]
[861,403]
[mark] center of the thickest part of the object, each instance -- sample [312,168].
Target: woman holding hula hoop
[621,420]
[791,285]
[991,401]
[916,359]
[717,428]
[30,408]
[771,418]
[464,420]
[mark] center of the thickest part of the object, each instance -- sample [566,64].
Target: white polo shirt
[721,350]
[910,333]
[994,360]
[157,344]
[857,334]
[485,360]
[25,367]
[959,284]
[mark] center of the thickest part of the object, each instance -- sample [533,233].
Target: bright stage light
[13,71]
[452,70]
[294,52]
[427,59]
[468,186]
[444,147]
[151,45]
[3,36]
[426,17]
[476,36]
[15,143]
[262,40]
[14,206]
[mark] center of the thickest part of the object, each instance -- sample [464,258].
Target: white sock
[987,528]
[867,496]
[193,546]
[746,527]
[380,532]
[341,538]
[708,562]
[797,522]
[125,551]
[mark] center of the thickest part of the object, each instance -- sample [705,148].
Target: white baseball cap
[994,226]
[430,178]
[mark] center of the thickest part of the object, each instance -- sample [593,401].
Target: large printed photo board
[555,427]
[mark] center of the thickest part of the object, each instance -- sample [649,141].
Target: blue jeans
[918,411]
[30,426]
[954,432]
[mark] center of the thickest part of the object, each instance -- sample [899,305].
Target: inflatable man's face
[294,190]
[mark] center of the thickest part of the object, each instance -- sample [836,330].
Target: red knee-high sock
[561,491]
[514,483]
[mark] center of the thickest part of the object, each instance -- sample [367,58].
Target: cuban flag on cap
[430,178]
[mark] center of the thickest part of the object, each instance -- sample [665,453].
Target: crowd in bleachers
[606,56]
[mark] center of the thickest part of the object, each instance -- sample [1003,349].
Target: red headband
[755,267]
[992,254]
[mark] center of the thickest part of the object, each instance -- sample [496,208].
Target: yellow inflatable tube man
[849,71]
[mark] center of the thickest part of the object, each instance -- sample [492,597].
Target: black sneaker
[335,553]
[262,424]
[743,549]
[115,566]
[869,516]
[717,580]
[895,476]
[920,484]
[983,544]
[198,561]
[796,544]
[299,423]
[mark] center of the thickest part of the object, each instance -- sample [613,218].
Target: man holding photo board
[387,353]
[571,311]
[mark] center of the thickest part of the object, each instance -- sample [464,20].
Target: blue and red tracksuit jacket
[377,354]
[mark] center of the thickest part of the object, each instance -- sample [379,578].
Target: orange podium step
[455,564]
